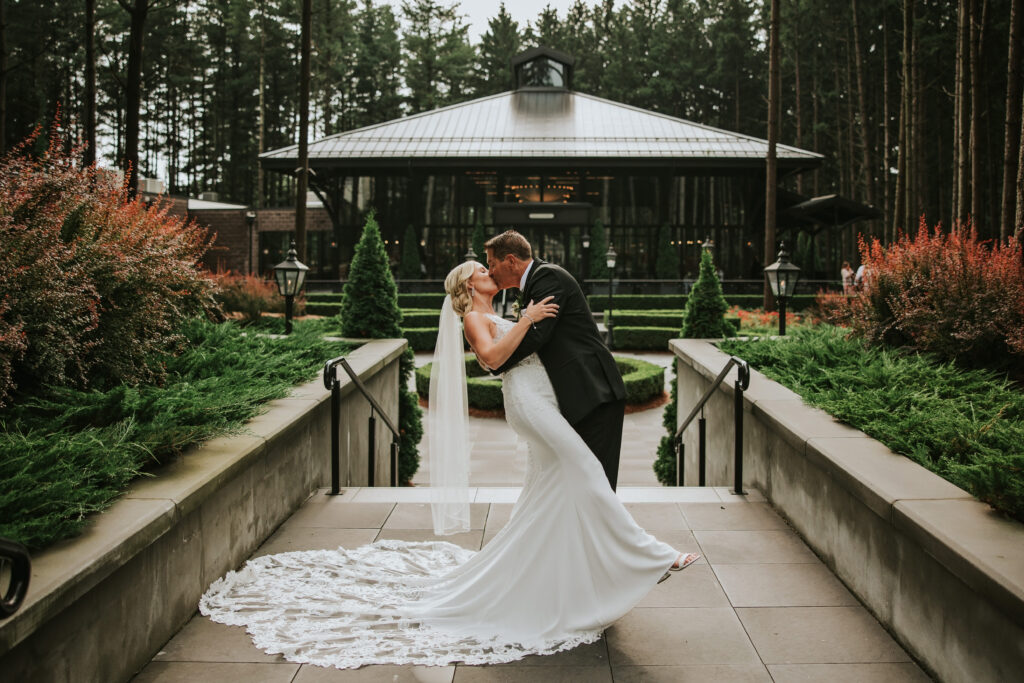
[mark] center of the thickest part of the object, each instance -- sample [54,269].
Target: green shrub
[643,338]
[703,318]
[369,309]
[478,240]
[420,317]
[68,453]
[965,425]
[252,296]
[638,302]
[648,318]
[951,295]
[432,300]
[644,381]
[93,287]
[324,308]
[677,302]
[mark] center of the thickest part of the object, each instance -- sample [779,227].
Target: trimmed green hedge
[648,302]
[420,317]
[644,381]
[324,308]
[648,338]
[432,300]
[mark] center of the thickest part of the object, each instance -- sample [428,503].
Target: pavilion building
[549,161]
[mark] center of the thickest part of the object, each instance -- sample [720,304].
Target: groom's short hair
[509,242]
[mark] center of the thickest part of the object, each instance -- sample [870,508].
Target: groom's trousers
[601,429]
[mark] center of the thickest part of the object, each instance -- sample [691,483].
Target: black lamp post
[250,220]
[782,278]
[290,275]
[470,255]
[610,261]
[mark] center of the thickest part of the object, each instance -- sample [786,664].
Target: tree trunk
[865,142]
[3,75]
[900,204]
[262,113]
[89,157]
[960,203]
[799,114]
[886,137]
[1018,231]
[977,30]
[815,117]
[771,167]
[1011,130]
[303,170]
[133,93]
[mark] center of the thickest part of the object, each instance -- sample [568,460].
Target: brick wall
[231,247]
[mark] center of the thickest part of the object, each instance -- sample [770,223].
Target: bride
[570,561]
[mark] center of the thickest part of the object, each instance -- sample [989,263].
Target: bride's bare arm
[494,353]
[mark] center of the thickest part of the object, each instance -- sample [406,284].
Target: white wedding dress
[569,563]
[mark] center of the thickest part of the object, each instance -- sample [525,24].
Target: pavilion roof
[527,126]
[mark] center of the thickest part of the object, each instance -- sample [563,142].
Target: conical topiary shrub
[369,309]
[409,268]
[704,318]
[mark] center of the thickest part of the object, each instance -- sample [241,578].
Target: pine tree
[409,269]
[438,59]
[478,240]
[598,248]
[704,318]
[497,47]
[667,264]
[369,309]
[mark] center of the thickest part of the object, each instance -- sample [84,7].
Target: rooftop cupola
[543,68]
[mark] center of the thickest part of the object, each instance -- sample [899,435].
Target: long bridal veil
[448,428]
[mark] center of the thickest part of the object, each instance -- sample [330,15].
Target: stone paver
[759,607]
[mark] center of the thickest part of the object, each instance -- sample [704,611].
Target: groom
[591,395]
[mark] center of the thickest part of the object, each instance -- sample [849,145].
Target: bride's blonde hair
[456,284]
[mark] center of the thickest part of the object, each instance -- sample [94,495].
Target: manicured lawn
[965,425]
[71,453]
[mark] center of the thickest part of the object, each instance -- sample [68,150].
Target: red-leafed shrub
[947,294]
[92,287]
[252,296]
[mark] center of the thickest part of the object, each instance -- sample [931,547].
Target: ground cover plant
[965,425]
[68,452]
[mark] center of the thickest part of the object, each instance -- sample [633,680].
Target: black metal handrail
[332,383]
[21,570]
[742,382]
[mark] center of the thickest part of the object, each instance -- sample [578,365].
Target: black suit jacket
[582,370]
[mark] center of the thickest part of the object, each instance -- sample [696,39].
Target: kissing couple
[570,561]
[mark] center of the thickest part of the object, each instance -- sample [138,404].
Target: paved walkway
[759,608]
[497,459]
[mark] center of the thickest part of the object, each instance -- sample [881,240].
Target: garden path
[759,607]
[497,460]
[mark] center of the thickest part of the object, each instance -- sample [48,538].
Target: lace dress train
[569,562]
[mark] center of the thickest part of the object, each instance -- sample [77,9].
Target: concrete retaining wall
[101,605]
[938,568]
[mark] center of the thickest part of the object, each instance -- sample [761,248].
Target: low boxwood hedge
[432,300]
[644,381]
[649,338]
[645,302]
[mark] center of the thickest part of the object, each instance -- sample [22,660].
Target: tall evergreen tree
[598,249]
[378,66]
[667,263]
[437,57]
[498,45]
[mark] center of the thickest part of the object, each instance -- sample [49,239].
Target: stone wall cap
[974,542]
[68,569]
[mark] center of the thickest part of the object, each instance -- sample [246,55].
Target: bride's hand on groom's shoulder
[545,308]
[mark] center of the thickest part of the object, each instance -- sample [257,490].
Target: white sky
[477,12]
